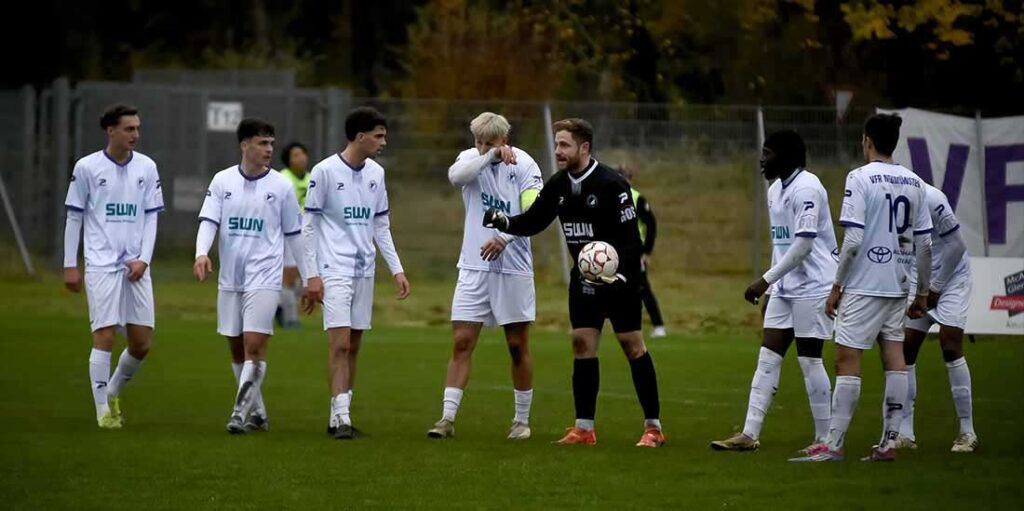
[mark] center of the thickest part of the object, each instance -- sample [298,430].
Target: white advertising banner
[997,296]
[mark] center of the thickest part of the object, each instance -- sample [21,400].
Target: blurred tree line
[946,54]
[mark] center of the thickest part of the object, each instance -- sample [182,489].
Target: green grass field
[174,453]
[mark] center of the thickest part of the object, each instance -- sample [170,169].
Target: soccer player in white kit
[803,266]
[116,193]
[887,232]
[347,212]
[495,283]
[948,299]
[257,213]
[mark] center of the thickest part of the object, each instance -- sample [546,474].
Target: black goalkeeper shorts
[590,305]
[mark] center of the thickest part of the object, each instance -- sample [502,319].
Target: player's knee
[952,353]
[633,349]
[580,346]
[810,348]
[517,351]
[463,346]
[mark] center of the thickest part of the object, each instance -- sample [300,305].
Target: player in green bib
[648,232]
[296,161]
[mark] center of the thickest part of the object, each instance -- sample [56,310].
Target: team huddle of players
[901,241]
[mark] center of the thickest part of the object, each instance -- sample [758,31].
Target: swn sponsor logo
[780,232]
[578,230]
[121,209]
[491,201]
[356,213]
[237,223]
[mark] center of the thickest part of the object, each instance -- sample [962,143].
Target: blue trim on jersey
[847,223]
[926,231]
[154,210]
[951,231]
[253,178]
[386,211]
[131,154]
[349,165]
[314,210]
[789,180]
[292,233]
[74,208]
[806,235]
[212,221]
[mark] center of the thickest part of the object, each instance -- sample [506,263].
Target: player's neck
[120,155]
[873,157]
[584,165]
[352,157]
[252,169]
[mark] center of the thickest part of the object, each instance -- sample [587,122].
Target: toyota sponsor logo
[880,255]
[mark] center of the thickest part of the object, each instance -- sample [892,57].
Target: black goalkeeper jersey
[596,205]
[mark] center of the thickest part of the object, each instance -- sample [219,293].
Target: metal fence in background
[44,132]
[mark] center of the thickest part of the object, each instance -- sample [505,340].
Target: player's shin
[247,385]
[907,426]
[450,405]
[895,400]
[523,400]
[844,402]
[586,380]
[99,376]
[762,390]
[819,394]
[127,365]
[960,385]
[645,382]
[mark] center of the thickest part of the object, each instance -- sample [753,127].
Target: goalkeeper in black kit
[593,203]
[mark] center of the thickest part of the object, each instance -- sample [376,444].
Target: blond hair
[489,125]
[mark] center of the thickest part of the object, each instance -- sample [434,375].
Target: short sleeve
[922,216]
[212,204]
[943,218]
[853,203]
[154,193]
[382,207]
[315,191]
[78,189]
[807,208]
[531,179]
[291,220]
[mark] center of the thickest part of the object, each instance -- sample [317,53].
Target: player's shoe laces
[114,406]
[965,442]
[905,442]
[652,437]
[819,453]
[877,454]
[519,431]
[235,425]
[345,432]
[737,442]
[574,436]
[444,428]
[806,451]
[658,332]
[256,422]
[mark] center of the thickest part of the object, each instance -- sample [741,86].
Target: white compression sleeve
[310,228]
[923,251]
[149,237]
[852,239]
[796,254]
[205,237]
[386,244]
[294,243]
[463,172]
[953,251]
[72,235]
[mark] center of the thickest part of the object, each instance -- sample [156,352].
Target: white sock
[452,399]
[99,376]
[907,426]
[895,400]
[762,390]
[524,398]
[341,408]
[585,424]
[246,388]
[652,423]
[844,402]
[257,404]
[126,367]
[236,367]
[332,420]
[819,394]
[289,305]
[960,385]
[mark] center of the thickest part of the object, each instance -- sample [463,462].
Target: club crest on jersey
[373,185]
[511,176]
[270,197]
[880,255]
[142,182]
[592,201]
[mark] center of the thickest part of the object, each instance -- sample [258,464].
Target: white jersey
[254,214]
[888,202]
[347,200]
[798,207]
[114,200]
[497,186]
[945,222]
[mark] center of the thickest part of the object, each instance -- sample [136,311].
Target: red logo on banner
[1008,303]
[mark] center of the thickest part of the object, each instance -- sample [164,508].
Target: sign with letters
[223,115]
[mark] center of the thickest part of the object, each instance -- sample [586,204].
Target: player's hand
[312,294]
[403,286]
[919,307]
[136,269]
[832,304]
[493,248]
[201,267]
[505,155]
[73,279]
[495,219]
[933,299]
[755,290]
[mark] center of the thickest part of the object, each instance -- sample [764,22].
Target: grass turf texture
[174,453]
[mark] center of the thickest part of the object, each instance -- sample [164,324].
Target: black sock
[586,379]
[646,384]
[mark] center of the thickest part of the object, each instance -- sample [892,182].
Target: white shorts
[494,298]
[807,317]
[951,309]
[114,301]
[861,320]
[246,311]
[348,302]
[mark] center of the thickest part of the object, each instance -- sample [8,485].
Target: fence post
[335,114]
[981,178]
[28,157]
[61,144]
[758,202]
[549,137]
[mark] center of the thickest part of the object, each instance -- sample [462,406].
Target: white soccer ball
[598,261]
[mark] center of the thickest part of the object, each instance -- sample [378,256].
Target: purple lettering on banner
[997,193]
[956,167]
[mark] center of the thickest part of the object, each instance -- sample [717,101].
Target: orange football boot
[576,435]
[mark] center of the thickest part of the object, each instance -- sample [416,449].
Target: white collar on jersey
[252,178]
[590,170]
[789,180]
[131,154]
